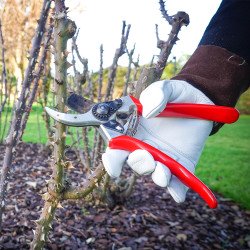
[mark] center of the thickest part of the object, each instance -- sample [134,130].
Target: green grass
[225,163]
[35,129]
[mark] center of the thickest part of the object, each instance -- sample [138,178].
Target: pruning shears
[117,122]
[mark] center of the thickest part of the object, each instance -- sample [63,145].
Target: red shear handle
[128,143]
[202,111]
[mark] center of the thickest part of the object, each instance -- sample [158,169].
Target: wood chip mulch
[149,219]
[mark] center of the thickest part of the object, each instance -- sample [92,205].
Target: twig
[46,117]
[97,150]
[100,79]
[165,13]
[152,61]
[152,74]
[87,156]
[136,68]
[4,124]
[118,53]
[130,62]
[4,73]
[4,93]
[38,74]
[88,187]
[97,136]
[179,19]
[79,78]
[110,85]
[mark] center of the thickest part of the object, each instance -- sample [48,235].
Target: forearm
[229,28]
[220,65]
[221,75]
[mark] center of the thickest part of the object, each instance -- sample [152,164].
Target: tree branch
[4,73]
[88,187]
[165,13]
[64,29]
[153,73]
[118,53]
[39,72]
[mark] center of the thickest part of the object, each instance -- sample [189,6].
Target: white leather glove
[180,138]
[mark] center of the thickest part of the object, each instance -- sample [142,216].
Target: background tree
[19,20]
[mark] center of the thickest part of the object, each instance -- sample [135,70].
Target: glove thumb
[154,98]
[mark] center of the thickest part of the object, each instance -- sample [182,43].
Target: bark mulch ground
[149,219]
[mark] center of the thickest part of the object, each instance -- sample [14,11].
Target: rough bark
[64,29]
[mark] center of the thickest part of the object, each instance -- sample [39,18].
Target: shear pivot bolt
[102,109]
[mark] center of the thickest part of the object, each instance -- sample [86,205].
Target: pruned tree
[59,188]
[61,29]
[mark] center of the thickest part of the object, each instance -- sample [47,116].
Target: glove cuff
[218,73]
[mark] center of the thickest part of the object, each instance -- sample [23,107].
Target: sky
[100,22]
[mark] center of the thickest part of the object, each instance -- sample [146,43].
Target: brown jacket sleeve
[219,74]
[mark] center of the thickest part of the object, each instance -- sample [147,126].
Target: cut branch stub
[182,18]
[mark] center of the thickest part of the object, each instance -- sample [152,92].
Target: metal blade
[75,120]
[119,110]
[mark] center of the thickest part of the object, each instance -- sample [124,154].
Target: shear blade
[75,120]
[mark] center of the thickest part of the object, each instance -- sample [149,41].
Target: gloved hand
[180,138]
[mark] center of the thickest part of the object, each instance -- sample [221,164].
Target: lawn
[224,165]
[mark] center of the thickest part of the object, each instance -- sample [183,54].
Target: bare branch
[88,187]
[100,80]
[118,53]
[64,30]
[39,72]
[130,62]
[180,19]
[86,77]
[152,74]
[165,13]
[97,137]
[4,73]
